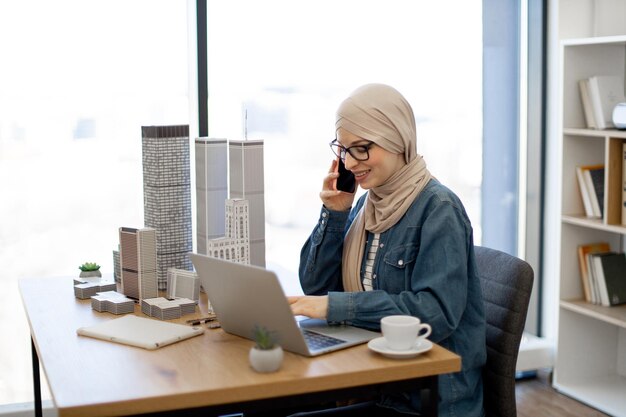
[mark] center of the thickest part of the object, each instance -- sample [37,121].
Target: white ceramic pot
[89,274]
[266,360]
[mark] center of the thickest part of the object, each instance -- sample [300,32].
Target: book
[624,184]
[590,120]
[593,287]
[605,92]
[584,193]
[597,190]
[583,250]
[592,189]
[611,274]
[596,276]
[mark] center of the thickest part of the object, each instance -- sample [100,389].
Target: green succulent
[89,266]
[264,338]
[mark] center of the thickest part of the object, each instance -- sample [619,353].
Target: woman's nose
[350,162]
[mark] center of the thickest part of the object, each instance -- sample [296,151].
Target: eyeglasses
[358,152]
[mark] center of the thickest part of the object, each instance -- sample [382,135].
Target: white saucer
[380,345]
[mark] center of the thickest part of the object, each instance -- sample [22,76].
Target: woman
[405,248]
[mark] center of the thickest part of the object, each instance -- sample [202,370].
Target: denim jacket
[424,267]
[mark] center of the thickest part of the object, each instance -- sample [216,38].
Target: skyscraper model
[167,195]
[138,259]
[235,245]
[247,182]
[211,189]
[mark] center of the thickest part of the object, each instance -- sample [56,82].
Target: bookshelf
[591,346]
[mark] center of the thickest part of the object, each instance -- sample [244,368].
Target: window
[281,79]
[79,88]
[78,81]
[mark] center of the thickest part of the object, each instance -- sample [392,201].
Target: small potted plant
[266,355]
[89,269]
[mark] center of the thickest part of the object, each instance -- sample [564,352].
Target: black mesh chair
[506,282]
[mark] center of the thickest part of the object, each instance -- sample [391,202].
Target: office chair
[506,282]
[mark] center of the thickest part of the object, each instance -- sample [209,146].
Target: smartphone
[346,181]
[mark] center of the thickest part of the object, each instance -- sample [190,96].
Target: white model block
[182,283]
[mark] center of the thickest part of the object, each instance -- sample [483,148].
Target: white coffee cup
[403,332]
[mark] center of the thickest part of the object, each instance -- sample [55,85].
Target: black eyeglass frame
[343,150]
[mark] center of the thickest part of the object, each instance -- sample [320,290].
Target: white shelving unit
[591,348]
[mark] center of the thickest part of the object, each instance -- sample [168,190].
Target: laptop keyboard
[317,341]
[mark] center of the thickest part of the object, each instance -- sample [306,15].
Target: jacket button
[400,262]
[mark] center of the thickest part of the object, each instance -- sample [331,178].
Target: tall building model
[167,195]
[247,183]
[211,189]
[235,245]
[138,260]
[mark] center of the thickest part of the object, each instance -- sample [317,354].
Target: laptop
[245,296]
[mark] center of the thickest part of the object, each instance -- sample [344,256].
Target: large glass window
[77,81]
[278,70]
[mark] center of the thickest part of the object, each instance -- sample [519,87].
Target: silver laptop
[245,296]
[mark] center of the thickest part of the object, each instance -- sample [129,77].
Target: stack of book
[603,274]
[599,95]
[591,184]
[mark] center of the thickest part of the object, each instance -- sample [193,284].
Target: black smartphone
[346,181]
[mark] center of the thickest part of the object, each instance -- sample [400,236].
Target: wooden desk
[90,377]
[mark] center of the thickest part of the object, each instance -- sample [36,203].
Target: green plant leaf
[89,266]
[264,338]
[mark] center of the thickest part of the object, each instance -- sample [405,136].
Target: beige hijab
[381,114]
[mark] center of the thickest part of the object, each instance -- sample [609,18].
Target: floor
[536,398]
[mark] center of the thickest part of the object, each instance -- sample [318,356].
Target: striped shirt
[369,264]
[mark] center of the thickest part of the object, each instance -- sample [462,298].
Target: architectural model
[245,169]
[164,309]
[211,189]
[167,195]
[247,183]
[138,260]
[235,245]
[112,302]
[182,283]
[84,290]
[117,270]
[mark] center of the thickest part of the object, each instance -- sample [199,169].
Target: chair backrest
[506,282]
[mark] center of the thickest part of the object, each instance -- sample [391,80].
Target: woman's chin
[364,185]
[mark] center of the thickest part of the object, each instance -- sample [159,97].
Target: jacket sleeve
[320,257]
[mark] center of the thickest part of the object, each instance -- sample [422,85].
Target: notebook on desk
[245,296]
[140,332]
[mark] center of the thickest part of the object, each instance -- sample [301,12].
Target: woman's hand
[309,305]
[332,198]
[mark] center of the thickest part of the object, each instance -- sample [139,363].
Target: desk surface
[98,378]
